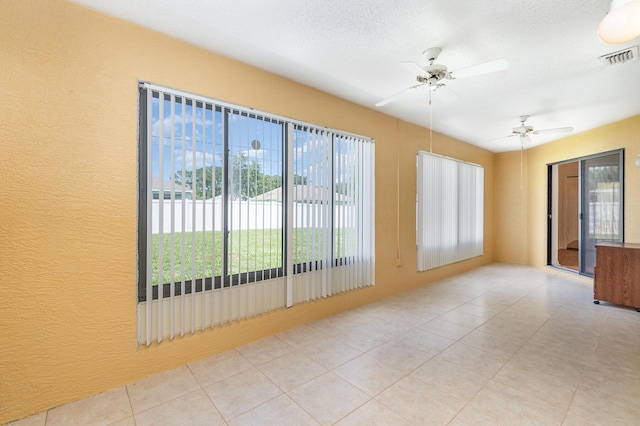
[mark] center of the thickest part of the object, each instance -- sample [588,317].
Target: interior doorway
[568,215]
[565,212]
[586,206]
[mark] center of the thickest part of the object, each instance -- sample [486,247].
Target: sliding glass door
[586,207]
[601,205]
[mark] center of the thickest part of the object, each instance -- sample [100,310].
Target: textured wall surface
[511,241]
[68,168]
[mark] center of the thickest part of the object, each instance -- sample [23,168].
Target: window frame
[144,186]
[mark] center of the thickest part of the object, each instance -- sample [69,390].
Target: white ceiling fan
[523,131]
[433,74]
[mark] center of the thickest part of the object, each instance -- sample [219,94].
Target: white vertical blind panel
[304,200]
[478,229]
[370,210]
[350,202]
[223,210]
[205,108]
[194,238]
[172,196]
[360,214]
[289,209]
[340,210]
[315,196]
[231,207]
[149,260]
[161,216]
[340,241]
[450,210]
[202,166]
[323,145]
[355,219]
[449,234]
[183,239]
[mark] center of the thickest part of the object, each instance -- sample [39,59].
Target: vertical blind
[450,210]
[243,212]
[332,213]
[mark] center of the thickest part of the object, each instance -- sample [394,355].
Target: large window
[257,212]
[450,210]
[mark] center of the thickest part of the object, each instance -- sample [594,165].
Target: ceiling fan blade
[446,94]
[501,137]
[556,130]
[485,68]
[397,95]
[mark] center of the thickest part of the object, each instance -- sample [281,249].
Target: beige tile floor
[502,344]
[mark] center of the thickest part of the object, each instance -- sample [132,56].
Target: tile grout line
[505,363]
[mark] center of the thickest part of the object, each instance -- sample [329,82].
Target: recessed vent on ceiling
[621,56]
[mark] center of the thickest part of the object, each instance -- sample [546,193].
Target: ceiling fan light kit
[622,23]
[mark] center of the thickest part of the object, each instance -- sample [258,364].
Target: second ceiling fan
[433,74]
[523,131]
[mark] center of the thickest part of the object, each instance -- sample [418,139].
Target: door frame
[552,178]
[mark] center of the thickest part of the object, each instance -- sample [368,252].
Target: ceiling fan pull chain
[430,124]
[521,154]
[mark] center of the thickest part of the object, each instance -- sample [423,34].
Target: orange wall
[511,187]
[68,143]
[521,215]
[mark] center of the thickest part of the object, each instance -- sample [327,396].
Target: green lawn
[254,250]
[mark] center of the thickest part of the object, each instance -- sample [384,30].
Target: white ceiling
[352,49]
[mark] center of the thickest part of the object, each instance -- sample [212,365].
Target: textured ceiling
[353,49]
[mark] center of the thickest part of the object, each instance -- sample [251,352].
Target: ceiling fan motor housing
[430,81]
[437,70]
[522,130]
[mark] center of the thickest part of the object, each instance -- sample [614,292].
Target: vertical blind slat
[149,252]
[212,299]
[161,218]
[203,165]
[289,214]
[224,209]
[183,223]
[194,207]
[172,197]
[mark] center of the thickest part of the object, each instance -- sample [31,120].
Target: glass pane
[255,199]
[312,198]
[345,210]
[187,169]
[601,205]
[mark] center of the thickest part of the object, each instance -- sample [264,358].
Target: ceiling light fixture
[622,23]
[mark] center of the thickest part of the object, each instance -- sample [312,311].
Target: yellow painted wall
[511,187]
[68,160]
[529,221]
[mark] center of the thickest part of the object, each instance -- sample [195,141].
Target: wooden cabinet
[617,274]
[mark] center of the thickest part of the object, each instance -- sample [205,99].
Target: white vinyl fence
[243,214]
